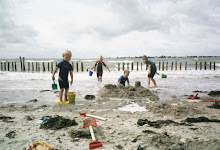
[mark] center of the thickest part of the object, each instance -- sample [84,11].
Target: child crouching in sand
[65,68]
[124,78]
[152,69]
[99,70]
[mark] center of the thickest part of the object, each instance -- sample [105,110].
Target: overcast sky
[89,28]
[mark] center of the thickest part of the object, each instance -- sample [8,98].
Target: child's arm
[53,76]
[94,66]
[118,83]
[128,82]
[71,75]
[149,68]
[107,68]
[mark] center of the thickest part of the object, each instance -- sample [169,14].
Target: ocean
[18,88]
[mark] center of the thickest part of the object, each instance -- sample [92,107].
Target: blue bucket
[90,73]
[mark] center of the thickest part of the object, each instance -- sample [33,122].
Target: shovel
[89,123]
[97,117]
[54,86]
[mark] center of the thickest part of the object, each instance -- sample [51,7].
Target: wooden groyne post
[172,66]
[186,65]
[128,66]
[196,66]
[43,66]
[205,65]
[77,67]
[15,67]
[118,66]
[180,65]
[141,66]
[73,66]
[163,66]
[137,65]
[32,68]
[200,65]
[210,67]
[82,66]
[175,65]
[21,63]
[123,66]
[159,65]
[214,65]
[167,66]
[132,66]
[8,66]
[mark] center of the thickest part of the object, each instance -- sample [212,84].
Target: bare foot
[61,102]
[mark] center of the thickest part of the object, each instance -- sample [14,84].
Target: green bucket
[164,76]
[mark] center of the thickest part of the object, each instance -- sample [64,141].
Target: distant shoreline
[122,57]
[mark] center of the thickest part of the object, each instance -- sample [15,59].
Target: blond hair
[145,57]
[67,52]
[126,70]
[100,58]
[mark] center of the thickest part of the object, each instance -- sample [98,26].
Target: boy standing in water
[124,78]
[65,68]
[99,70]
[152,69]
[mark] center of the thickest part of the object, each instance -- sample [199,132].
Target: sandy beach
[153,124]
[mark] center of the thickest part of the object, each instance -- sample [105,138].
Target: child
[152,69]
[65,68]
[99,70]
[124,78]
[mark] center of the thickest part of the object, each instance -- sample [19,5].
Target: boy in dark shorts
[65,68]
[152,69]
[99,70]
[124,78]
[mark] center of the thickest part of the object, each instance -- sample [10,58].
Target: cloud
[44,28]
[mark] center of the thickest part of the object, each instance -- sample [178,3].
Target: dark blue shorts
[152,74]
[63,84]
[99,74]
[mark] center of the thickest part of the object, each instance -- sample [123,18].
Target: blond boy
[124,78]
[99,63]
[65,68]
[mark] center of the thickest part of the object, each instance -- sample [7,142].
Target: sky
[111,28]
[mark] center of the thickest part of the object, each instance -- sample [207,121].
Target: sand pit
[110,90]
[57,122]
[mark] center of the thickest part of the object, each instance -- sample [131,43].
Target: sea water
[18,88]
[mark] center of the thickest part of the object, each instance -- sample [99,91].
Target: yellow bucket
[71,97]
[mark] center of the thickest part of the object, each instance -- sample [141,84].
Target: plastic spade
[89,123]
[54,86]
[97,117]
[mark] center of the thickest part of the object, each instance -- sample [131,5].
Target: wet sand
[121,130]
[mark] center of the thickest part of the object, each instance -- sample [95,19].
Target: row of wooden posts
[5,66]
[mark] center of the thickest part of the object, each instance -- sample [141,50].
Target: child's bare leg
[154,81]
[65,94]
[100,78]
[61,95]
[148,82]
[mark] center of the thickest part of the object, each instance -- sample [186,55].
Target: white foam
[41,61]
[118,61]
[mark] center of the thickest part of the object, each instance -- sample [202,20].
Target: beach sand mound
[110,90]
[173,110]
